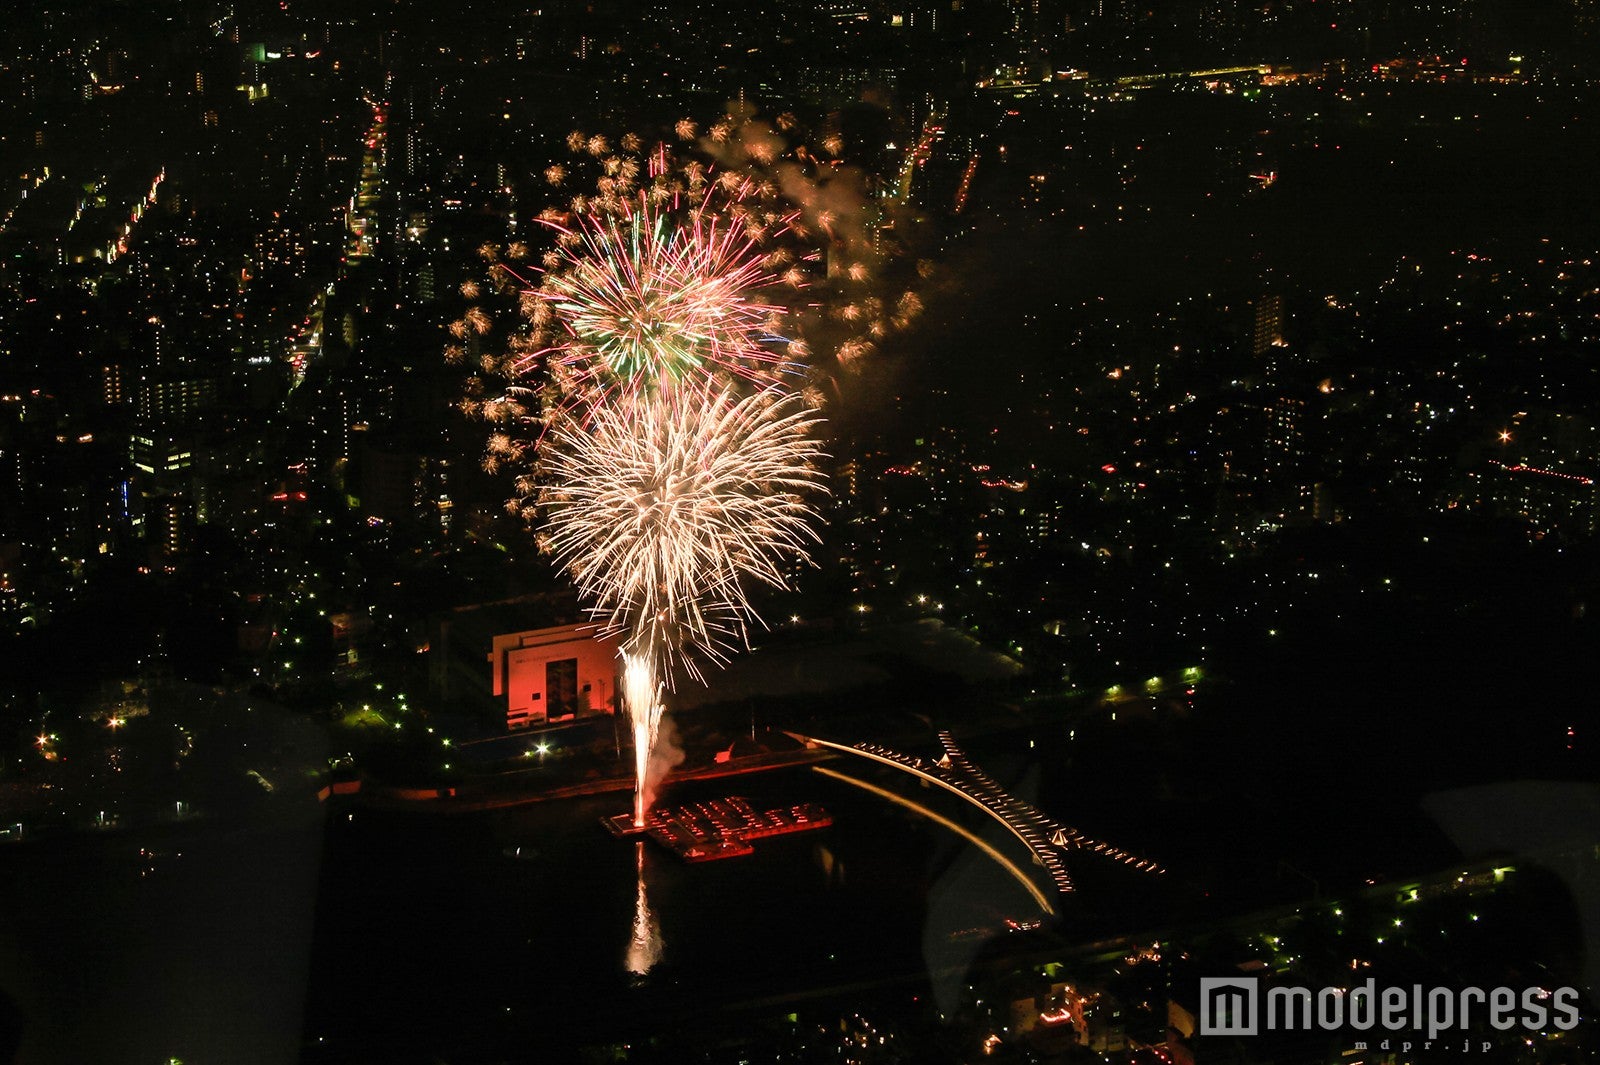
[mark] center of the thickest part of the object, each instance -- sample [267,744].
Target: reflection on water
[854,902]
[645,946]
[832,868]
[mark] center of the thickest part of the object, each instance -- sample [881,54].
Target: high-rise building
[173,402]
[111,390]
[1285,433]
[1267,331]
[171,521]
[165,443]
[13,490]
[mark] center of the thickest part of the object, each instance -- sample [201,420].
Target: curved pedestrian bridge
[1048,839]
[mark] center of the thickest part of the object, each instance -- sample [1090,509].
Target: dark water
[351,935]
[197,952]
[354,935]
[458,944]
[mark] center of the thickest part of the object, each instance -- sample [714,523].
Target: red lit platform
[719,828]
[622,825]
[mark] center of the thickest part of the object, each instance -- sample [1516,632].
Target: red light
[1108,468]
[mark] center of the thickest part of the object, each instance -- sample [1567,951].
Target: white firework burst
[666,506]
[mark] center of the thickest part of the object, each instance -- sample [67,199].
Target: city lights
[428,430]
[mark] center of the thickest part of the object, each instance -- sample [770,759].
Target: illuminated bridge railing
[1047,839]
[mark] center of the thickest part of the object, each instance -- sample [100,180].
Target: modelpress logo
[1236,1006]
[1229,1006]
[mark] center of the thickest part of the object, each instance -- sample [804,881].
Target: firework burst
[645,299]
[684,291]
[728,255]
[665,506]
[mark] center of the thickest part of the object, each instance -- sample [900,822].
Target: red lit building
[546,662]
[554,674]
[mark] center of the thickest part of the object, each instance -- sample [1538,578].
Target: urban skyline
[1204,418]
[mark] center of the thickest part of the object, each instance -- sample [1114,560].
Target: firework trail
[642,697]
[662,505]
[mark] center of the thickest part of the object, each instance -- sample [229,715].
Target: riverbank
[453,801]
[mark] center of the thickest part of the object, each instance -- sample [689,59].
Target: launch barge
[719,828]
